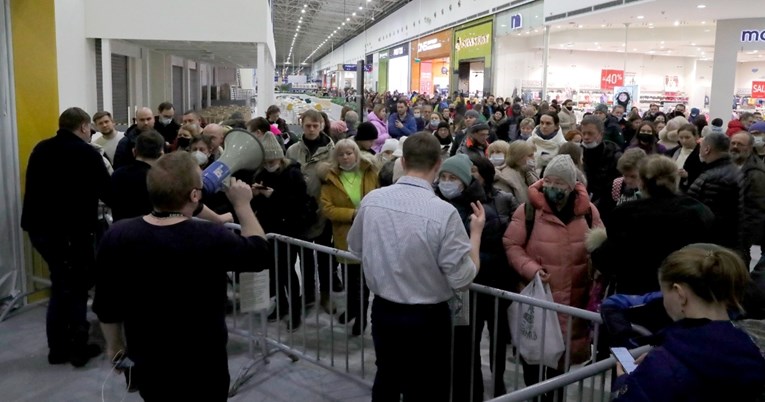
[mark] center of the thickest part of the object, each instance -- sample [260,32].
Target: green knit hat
[460,166]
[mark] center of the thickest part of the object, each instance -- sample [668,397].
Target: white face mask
[416,115]
[450,189]
[497,159]
[200,156]
[165,121]
[759,142]
[435,122]
[591,145]
[349,167]
[271,168]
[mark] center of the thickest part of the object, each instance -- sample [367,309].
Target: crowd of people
[432,194]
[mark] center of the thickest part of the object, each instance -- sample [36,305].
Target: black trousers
[357,291]
[412,346]
[531,377]
[283,272]
[70,260]
[325,271]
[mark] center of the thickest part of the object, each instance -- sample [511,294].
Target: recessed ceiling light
[693,44]
[640,17]
[361,8]
[634,49]
[302,11]
[581,26]
[651,52]
[596,43]
[701,6]
[353,14]
[347,19]
[343,24]
[703,22]
[602,25]
[676,23]
[662,42]
[503,25]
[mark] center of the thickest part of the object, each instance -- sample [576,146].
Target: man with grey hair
[752,191]
[216,132]
[144,121]
[351,120]
[718,187]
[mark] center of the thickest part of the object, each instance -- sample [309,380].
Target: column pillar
[106,75]
[723,73]
[265,77]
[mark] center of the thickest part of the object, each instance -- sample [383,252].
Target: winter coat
[559,249]
[612,131]
[545,150]
[169,132]
[667,221]
[600,170]
[692,165]
[308,164]
[284,212]
[336,205]
[470,147]
[567,120]
[734,126]
[753,199]
[382,131]
[512,181]
[410,125]
[696,360]
[123,155]
[718,187]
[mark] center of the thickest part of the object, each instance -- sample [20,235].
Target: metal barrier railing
[321,340]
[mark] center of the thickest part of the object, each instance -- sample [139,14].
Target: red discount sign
[758,89]
[611,78]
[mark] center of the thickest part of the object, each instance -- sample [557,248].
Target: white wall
[76,58]
[409,22]
[745,75]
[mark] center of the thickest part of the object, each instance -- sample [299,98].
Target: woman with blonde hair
[186,133]
[702,356]
[518,172]
[347,179]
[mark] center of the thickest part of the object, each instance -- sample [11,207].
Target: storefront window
[472,58]
[430,63]
[519,52]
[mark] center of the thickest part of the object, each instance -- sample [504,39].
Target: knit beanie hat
[460,166]
[390,145]
[601,108]
[271,148]
[399,152]
[443,124]
[758,127]
[366,131]
[473,114]
[562,167]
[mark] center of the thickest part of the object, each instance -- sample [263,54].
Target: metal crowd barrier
[321,340]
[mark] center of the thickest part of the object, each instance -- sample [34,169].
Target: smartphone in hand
[624,357]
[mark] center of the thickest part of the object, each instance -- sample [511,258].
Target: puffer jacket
[308,165]
[567,120]
[382,131]
[560,249]
[718,187]
[336,205]
[734,126]
[753,202]
[545,150]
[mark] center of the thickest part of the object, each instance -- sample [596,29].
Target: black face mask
[183,142]
[646,138]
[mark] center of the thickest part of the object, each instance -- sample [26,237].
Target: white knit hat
[562,166]
[390,145]
[399,152]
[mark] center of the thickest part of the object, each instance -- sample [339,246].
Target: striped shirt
[412,245]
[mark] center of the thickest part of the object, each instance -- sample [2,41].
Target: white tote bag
[526,324]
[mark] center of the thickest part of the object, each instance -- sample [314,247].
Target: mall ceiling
[306,30]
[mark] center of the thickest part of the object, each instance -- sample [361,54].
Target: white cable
[130,380]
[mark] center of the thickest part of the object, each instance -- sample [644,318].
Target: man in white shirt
[107,136]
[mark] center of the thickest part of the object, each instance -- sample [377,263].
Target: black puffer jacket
[718,187]
[753,199]
[600,170]
[285,212]
[669,222]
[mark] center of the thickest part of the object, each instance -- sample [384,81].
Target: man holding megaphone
[313,148]
[242,150]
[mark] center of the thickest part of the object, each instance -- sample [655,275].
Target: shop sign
[433,46]
[611,78]
[430,44]
[395,52]
[758,89]
[352,67]
[473,42]
[752,35]
[516,22]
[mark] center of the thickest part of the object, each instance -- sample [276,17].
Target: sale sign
[758,89]
[611,78]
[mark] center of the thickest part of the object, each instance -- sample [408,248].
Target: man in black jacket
[718,187]
[165,123]
[131,197]
[752,191]
[144,121]
[600,157]
[65,179]
[611,129]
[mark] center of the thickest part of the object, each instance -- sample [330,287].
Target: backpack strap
[530,217]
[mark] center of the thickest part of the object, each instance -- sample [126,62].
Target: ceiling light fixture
[676,23]
[640,17]
[701,6]
[581,26]
[353,14]
[347,19]
[302,11]
[361,8]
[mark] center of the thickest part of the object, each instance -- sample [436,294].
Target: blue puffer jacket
[697,360]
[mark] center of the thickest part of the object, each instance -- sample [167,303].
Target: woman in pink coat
[556,249]
[379,117]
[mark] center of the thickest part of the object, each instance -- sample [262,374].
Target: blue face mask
[435,122]
[450,189]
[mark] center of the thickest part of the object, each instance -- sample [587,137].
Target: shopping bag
[526,323]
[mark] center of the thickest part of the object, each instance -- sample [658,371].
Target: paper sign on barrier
[253,291]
